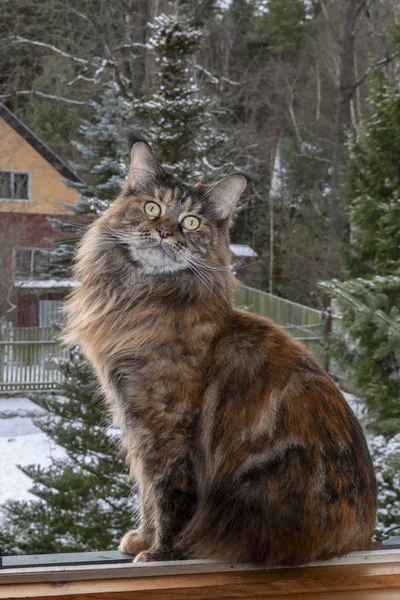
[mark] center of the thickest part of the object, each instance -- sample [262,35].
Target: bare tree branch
[214,78]
[21,40]
[49,96]
[379,63]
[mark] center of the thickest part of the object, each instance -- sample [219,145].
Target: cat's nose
[164,231]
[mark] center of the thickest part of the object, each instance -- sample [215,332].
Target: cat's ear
[144,167]
[225,194]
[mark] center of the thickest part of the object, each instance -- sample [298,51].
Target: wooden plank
[359,582]
[355,577]
[187,567]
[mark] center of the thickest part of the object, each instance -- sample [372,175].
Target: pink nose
[164,231]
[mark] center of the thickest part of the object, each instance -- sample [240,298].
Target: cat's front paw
[145,556]
[135,542]
[155,554]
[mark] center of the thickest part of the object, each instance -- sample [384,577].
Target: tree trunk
[343,113]
[139,63]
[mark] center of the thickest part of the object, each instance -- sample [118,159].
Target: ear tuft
[133,137]
[226,193]
[144,166]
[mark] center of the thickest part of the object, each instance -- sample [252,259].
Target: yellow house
[31,174]
[32,189]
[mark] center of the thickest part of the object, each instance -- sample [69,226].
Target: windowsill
[361,575]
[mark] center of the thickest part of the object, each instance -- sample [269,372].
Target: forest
[301,96]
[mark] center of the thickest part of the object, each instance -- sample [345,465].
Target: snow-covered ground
[21,443]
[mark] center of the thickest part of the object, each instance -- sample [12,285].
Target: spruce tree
[103,168]
[176,120]
[84,501]
[370,300]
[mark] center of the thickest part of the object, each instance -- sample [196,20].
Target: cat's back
[265,390]
[280,442]
[254,346]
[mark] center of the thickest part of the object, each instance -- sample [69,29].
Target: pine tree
[84,501]
[370,339]
[281,28]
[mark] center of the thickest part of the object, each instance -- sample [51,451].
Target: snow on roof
[46,283]
[242,250]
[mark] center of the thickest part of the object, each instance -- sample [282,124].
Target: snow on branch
[97,62]
[213,78]
[21,40]
[132,45]
[49,96]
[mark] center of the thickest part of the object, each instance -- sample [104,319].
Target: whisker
[204,277]
[201,277]
[201,263]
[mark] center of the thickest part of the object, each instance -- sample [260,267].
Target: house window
[14,185]
[30,262]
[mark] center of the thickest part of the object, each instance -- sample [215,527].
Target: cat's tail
[238,524]
[230,527]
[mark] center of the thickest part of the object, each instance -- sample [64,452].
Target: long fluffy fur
[243,448]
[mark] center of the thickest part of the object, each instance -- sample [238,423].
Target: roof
[242,250]
[11,119]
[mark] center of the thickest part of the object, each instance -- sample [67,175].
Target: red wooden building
[32,190]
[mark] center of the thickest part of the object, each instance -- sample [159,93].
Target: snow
[276,180]
[18,405]
[385,455]
[46,283]
[357,406]
[21,443]
[242,250]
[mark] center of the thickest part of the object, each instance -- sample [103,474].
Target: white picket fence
[28,359]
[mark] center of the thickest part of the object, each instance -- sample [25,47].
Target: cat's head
[167,226]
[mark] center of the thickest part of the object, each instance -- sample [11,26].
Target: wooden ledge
[359,576]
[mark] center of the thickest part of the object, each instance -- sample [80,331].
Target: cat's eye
[152,209]
[191,223]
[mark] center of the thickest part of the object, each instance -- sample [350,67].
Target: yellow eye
[152,209]
[191,223]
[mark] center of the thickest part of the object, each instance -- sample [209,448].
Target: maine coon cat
[242,447]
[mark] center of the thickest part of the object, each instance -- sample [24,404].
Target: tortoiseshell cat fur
[243,448]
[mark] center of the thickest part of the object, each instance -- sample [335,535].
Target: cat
[242,447]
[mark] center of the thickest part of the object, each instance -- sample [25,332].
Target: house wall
[24,224]
[47,189]
[18,230]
